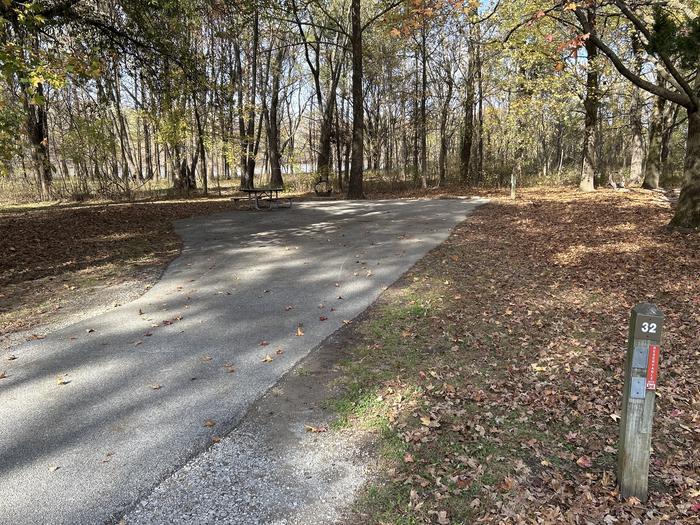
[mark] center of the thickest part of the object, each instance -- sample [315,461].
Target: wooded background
[110,98]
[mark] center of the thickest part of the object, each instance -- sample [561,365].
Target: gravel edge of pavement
[297,401]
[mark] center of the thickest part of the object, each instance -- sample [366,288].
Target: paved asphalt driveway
[83,432]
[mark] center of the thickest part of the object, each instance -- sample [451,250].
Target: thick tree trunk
[652,173]
[355,186]
[38,133]
[589,166]
[688,210]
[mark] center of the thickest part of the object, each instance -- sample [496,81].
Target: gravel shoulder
[284,463]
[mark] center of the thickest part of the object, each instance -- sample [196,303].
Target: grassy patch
[492,374]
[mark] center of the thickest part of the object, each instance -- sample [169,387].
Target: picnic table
[265,194]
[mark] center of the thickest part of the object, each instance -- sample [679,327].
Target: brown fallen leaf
[288,307]
[311,428]
[209,423]
[584,462]
[267,358]
[408,458]
[156,386]
[62,380]
[300,332]
[54,468]
[230,369]
[264,343]
[279,351]
[215,439]
[323,318]
[347,321]
[442,518]
[633,501]
[3,374]
[11,357]
[89,330]
[206,358]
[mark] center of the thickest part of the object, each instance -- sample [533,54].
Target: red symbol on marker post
[653,366]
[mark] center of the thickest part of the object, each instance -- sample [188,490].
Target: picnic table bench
[269,195]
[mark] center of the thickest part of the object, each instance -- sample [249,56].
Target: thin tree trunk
[423,118]
[355,186]
[589,167]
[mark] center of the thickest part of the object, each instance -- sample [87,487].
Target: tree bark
[687,213]
[423,118]
[468,127]
[38,133]
[652,173]
[444,145]
[589,166]
[636,109]
[355,185]
[669,124]
[273,130]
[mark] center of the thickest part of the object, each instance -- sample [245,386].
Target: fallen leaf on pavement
[267,358]
[156,387]
[209,423]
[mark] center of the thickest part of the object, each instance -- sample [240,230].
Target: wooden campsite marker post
[641,370]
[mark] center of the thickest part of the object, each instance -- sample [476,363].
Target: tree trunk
[468,128]
[423,118]
[38,133]
[669,124]
[589,167]
[636,109]
[652,173]
[273,131]
[355,189]
[442,161]
[688,210]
